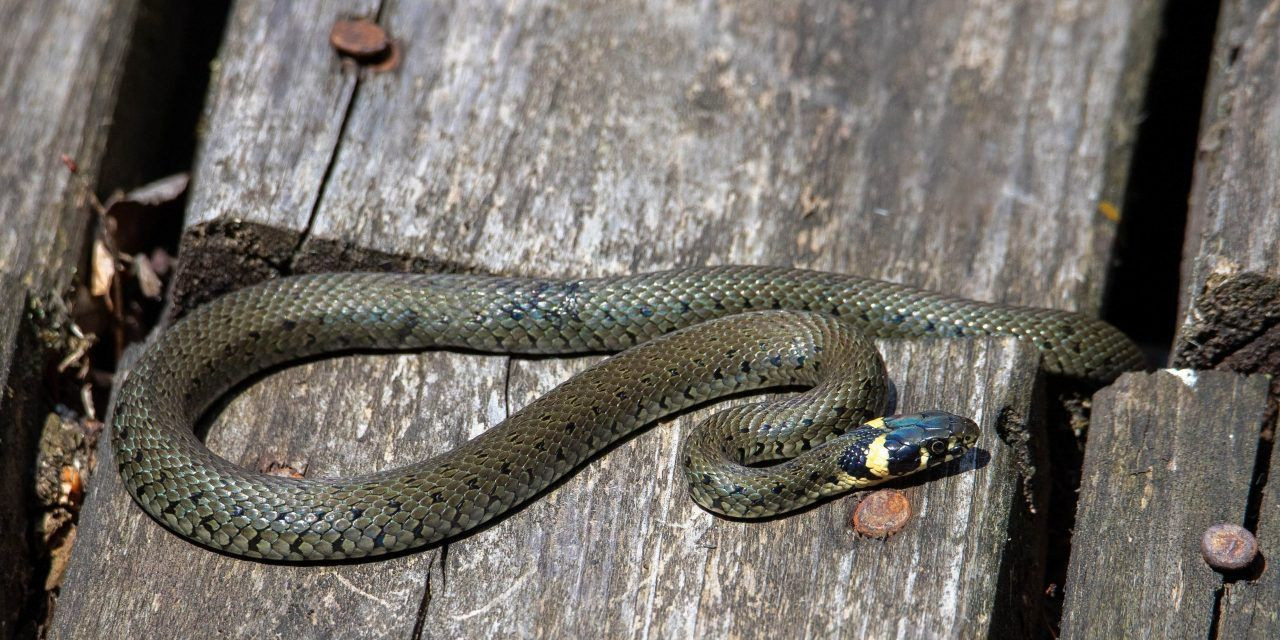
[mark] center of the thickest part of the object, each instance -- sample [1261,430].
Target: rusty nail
[882,513]
[390,61]
[360,38]
[1228,547]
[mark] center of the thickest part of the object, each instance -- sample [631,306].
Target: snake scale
[685,336]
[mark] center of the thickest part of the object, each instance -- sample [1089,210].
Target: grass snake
[686,336]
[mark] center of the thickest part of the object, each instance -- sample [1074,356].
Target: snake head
[922,440]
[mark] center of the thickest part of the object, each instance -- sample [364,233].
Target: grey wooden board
[60,67]
[959,145]
[1251,606]
[623,554]
[1229,310]
[1170,453]
[596,138]
[1234,214]
[618,551]
[274,114]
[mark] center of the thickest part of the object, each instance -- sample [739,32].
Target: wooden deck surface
[971,142]
[60,70]
[1231,304]
[1170,453]
[1206,436]
[977,147]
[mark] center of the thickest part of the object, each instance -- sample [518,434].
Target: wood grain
[1251,603]
[1170,453]
[1234,216]
[60,69]
[959,145]
[1230,303]
[618,550]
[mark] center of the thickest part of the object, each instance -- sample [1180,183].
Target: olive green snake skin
[702,333]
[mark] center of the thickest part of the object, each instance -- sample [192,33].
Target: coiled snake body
[701,333]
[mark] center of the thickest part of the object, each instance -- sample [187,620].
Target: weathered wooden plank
[60,68]
[619,549]
[131,576]
[785,130]
[1230,303]
[621,552]
[259,174]
[1170,453]
[1251,603]
[959,145]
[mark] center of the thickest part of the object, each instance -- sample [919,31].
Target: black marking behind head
[854,462]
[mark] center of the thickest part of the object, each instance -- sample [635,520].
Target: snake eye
[937,447]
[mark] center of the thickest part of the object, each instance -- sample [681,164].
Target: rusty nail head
[882,513]
[1228,547]
[360,38]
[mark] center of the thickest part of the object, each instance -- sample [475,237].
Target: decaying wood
[1230,306]
[1251,601]
[1234,217]
[60,66]
[960,146]
[1170,453]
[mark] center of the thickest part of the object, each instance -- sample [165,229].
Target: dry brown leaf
[148,282]
[104,270]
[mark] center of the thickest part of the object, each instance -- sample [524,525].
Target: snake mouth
[958,450]
[966,434]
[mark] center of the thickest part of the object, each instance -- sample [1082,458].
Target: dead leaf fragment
[103,270]
[148,282]
[162,191]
